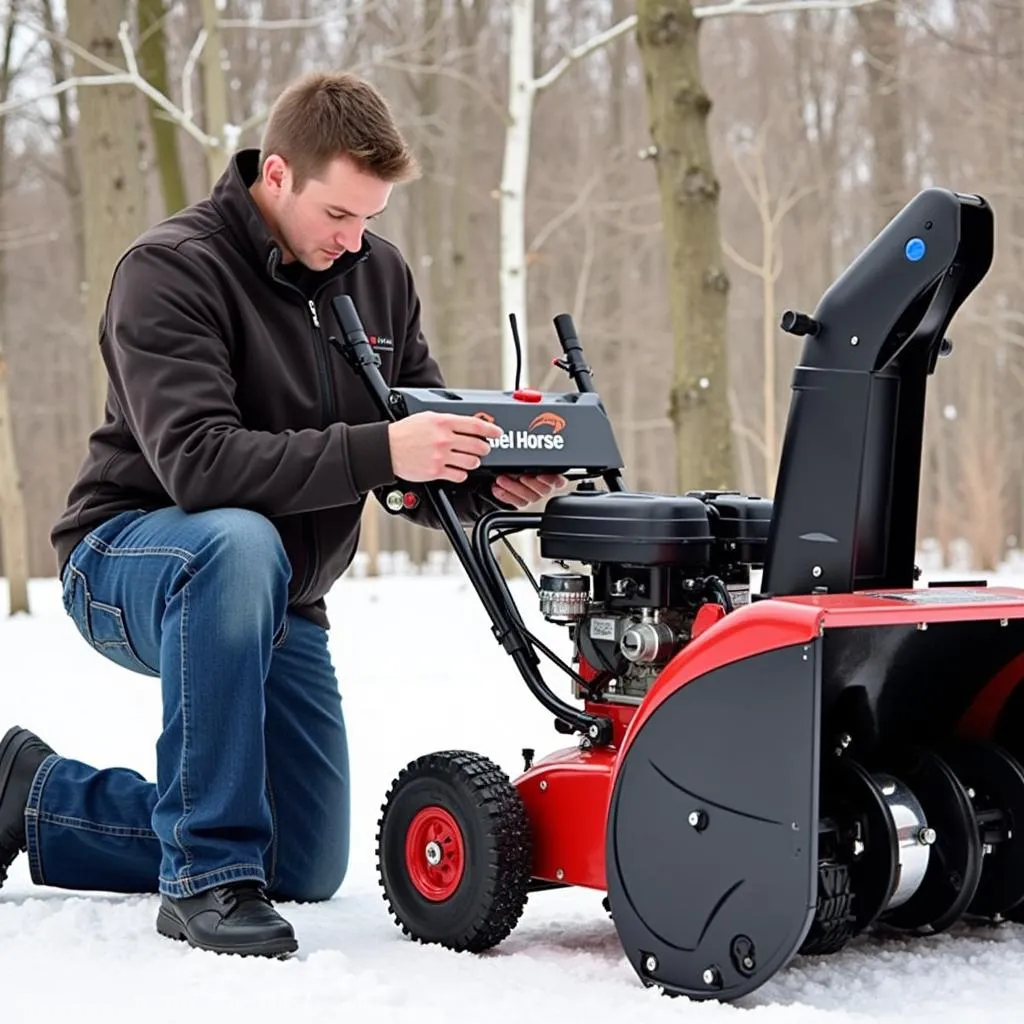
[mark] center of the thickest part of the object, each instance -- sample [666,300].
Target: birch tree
[13,519]
[523,89]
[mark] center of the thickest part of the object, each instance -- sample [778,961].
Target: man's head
[330,156]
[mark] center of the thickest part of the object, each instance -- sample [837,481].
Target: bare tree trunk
[69,157]
[110,141]
[13,518]
[466,314]
[153,66]
[880,33]
[678,108]
[215,94]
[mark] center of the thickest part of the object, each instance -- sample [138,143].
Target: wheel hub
[435,853]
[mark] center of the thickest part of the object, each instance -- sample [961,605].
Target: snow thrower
[751,776]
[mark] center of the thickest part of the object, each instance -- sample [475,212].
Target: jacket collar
[232,198]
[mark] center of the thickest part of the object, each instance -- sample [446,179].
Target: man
[218,503]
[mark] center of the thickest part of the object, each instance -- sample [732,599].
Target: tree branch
[713,10]
[579,52]
[130,76]
[776,7]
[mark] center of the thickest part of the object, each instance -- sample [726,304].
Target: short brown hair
[323,116]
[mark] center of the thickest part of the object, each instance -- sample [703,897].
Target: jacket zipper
[327,396]
[327,400]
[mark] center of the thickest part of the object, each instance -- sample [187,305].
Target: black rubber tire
[492,892]
[835,922]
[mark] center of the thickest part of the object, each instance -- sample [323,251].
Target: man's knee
[314,871]
[313,887]
[246,540]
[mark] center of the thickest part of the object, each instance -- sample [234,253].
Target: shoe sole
[170,927]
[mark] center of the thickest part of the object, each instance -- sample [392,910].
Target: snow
[419,671]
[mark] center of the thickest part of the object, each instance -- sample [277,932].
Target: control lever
[576,366]
[358,353]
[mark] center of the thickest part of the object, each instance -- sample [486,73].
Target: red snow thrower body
[755,775]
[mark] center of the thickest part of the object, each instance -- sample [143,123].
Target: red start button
[527,395]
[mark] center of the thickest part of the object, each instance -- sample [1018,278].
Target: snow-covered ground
[419,671]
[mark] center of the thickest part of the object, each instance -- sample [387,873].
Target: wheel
[453,851]
[835,922]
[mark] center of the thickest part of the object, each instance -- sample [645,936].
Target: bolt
[650,963]
[543,784]
[710,976]
[559,874]
[987,849]
[698,819]
[816,571]
[926,836]
[433,853]
[854,340]
[748,962]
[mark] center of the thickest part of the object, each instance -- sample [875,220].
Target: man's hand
[438,446]
[520,491]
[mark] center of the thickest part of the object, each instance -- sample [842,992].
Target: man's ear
[275,174]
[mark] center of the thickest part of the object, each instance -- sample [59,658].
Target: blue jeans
[252,774]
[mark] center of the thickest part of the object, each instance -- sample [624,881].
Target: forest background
[674,175]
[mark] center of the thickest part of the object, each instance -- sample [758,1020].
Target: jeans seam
[33,842]
[272,872]
[186,808]
[185,885]
[95,826]
[282,635]
[103,548]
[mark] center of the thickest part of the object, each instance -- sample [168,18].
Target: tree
[667,33]
[13,520]
[110,145]
[153,66]
[523,89]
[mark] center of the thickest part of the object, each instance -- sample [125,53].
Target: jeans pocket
[110,638]
[101,625]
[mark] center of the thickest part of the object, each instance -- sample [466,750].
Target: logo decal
[381,342]
[549,439]
[548,419]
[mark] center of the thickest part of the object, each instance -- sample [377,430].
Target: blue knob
[914,250]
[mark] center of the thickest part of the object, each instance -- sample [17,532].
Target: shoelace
[250,892]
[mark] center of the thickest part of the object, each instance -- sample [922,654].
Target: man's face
[326,218]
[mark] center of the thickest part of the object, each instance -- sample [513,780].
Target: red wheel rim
[434,853]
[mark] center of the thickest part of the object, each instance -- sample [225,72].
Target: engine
[654,560]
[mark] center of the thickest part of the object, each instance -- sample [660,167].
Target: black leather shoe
[21,754]
[236,918]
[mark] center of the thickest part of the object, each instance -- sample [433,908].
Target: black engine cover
[627,528]
[741,524]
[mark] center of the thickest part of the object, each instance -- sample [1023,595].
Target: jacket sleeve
[419,369]
[164,342]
